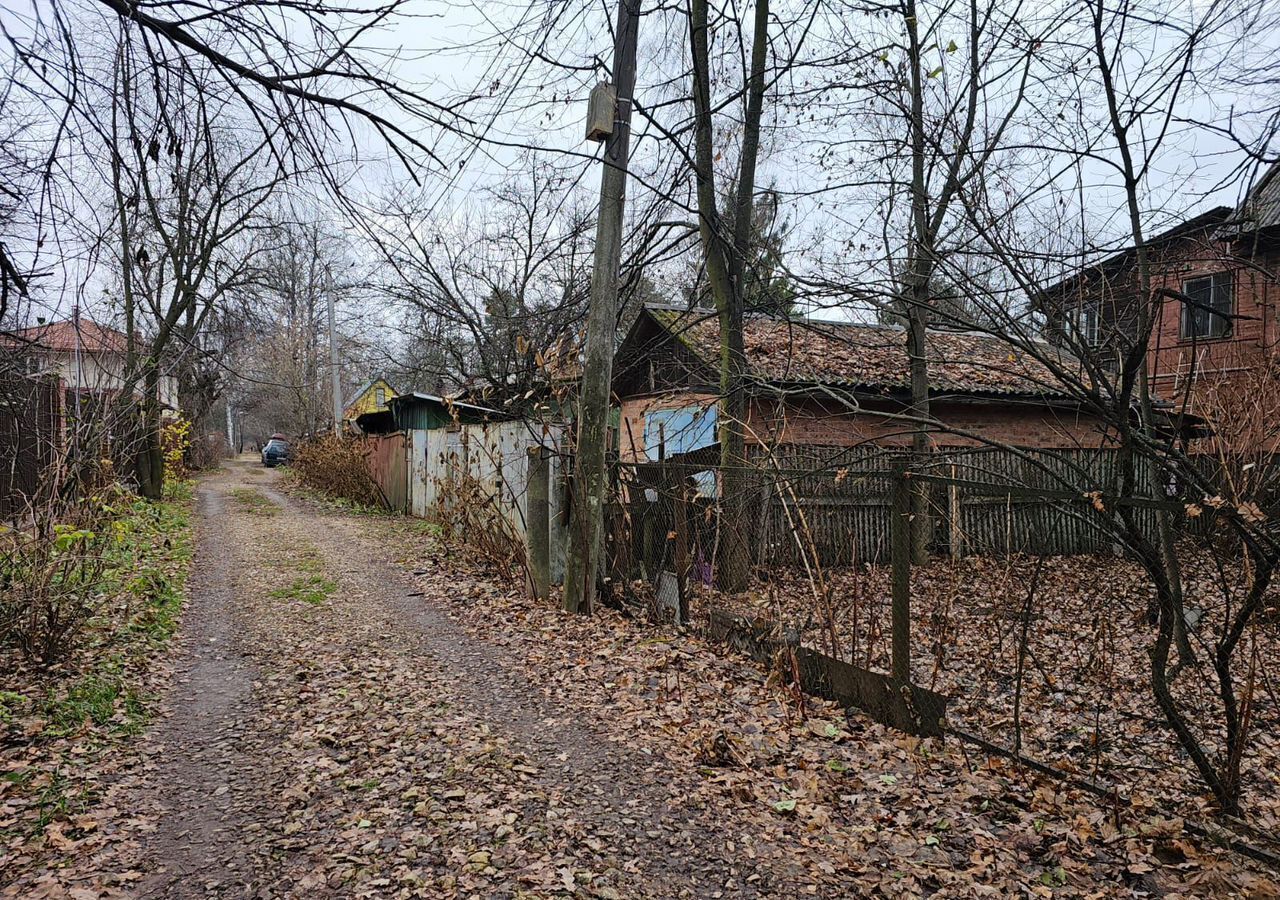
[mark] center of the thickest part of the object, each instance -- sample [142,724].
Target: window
[380,397]
[671,431]
[1206,313]
[1084,319]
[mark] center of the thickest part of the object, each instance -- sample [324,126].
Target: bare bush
[52,575]
[338,467]
[467,512]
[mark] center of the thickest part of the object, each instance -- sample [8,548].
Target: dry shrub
[52,573]
[468,513]
[338,466]
[207,450]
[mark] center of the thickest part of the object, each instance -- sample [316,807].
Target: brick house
[832,384]
[1212,347]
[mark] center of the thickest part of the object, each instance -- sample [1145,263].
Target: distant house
[425,412]
[832,384]
[1216,281]
[371,397]
[88,360]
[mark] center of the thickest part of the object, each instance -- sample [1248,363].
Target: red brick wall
[1179,364]
[809,422]
[631,423]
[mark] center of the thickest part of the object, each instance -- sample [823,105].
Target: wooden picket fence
[834,503]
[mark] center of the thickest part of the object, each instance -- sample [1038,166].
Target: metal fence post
[538,523]
[680,527]
[900,551]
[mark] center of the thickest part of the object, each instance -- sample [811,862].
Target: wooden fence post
[537,522]
[956,515]
[900,555]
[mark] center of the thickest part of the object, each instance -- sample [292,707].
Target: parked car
[275,453]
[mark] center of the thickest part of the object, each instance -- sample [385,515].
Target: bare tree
[1142,98]
[187,193]
[725,249]
[502,289]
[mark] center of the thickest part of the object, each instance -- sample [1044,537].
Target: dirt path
[333,732]
[200,743]
[359,711]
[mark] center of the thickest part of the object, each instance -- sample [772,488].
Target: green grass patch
[428,529]
[254,503]
[154,548]
[99,699]
[12,705]
[309,561]
[313,589]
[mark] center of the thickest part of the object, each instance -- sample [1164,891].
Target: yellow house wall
[368,401]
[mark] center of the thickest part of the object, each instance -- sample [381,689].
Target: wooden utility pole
[334,372]
[582,563]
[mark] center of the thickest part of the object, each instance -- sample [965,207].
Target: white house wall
[497,456]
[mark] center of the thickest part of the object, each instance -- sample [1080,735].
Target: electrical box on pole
[602,110]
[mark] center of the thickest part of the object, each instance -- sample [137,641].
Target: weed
[11,704]
[254,503]
[313,589]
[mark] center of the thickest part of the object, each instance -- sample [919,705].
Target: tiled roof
[93,338]
[872,357]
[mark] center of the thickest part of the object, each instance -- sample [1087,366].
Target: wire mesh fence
[1034,618]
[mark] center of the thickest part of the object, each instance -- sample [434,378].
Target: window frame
[1086,321]
[1187,312]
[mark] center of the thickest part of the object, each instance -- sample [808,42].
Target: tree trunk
[919,272]
[150,458]
[723,252]
[921,443]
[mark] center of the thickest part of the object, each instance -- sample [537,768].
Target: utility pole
[333,359]
[590,478]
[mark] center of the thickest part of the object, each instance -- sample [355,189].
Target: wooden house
[371,397]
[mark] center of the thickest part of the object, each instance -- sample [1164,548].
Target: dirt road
[360,710]
[332,731]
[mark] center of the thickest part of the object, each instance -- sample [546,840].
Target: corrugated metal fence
[388,465]
[30,431]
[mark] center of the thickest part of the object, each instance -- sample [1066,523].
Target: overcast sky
[488,52]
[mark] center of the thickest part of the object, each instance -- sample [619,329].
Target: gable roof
[868,357]
[62,336]
[1261,207]
[360,391]
[1207,222]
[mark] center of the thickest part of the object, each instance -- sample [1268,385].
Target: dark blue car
[275,453]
